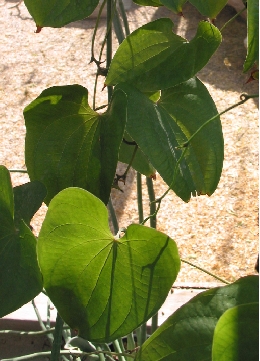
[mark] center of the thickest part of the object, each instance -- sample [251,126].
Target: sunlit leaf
[154,58]
[53,13]
[69,144]
[86,269]
[209,8]
[236,336]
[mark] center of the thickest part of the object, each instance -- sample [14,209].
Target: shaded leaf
[28,199]
[187,335]
[53,13]
[20,277]
[154,58]
[236,336]
[86,270]
[159,129]
[155,3]
[141,163]
[252,34]
[209,8]
[68,144]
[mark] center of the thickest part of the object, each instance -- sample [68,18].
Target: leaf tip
[38,29]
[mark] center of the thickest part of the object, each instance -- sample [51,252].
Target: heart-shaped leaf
[160,129]
[86,270]
[20,277]
[209,8]
[69,144]
[174,5]
[188,333]
[53,13]
[252,34]
[154,58]
[236,336]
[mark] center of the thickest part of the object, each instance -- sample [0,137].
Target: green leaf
[141,163]
[236,336]
[209,8]
[86,270]
[252,34]
[20,277]
[68,144]
[28,199]
[187,335]
[174,5]
[154,58]
[160,129]
[154,3]
[53,13]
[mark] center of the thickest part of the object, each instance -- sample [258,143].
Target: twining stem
[149,183]
[139,197]
[119,350]
[31,333]
[233,18]
[17,170]
[205,271]
[109,43]
[122,11]
[55,352]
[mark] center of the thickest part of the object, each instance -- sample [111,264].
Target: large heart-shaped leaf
[236,336]
[188,333]
[252,34]
[159,129]
[102,286]
[153,57]
[57,13]
[209,8]
[69,144]
[20,277]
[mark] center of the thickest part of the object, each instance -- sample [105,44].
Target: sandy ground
[219,233]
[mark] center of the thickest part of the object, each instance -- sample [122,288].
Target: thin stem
[119,350]
[73,353]
[109,43]
[101,355]
[124,17]
[18,171]
[38,316]
[154,323]
[113,216]
[95,29]
[233,18]
[131,162]
[55,352]
[118,27]
[143,334]
[139,197]
[31,333]
[149,183]
[205,271]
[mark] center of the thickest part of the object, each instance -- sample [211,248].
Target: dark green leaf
[209,8]
[252,34]
[160,129]
[236,336]
[53,13]
[20,277]
[187,335]
[68,144]
[155,3]
[86,270]
[154,58]
[141,163]
[28,199]
[174,5]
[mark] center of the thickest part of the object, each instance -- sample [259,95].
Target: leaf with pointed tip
[154,58]
[86,270]
[68,144]
[20,277]
[160,129]
[188,333]
[252,34]
[236,336]
[53,13]
[209,8]
[154,3]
